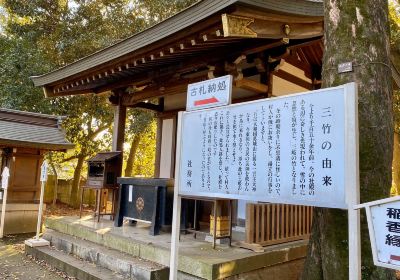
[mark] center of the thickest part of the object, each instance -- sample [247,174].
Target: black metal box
[103,170]
[146,199]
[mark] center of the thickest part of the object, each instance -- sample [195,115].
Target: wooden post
[3,213]
[119,127]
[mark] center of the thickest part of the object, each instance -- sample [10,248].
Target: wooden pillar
[119,127]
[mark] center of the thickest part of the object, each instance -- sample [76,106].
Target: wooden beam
[148,106]
[250,27]
[159,91]
[251,85]
[293,79]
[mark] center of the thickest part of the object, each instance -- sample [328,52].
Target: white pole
[36,242]
[354,245]
[176,221]
[176,216]
[3,213]
[5,175]
[39,222]
[353,180]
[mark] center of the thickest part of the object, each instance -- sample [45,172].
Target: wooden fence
[268,224]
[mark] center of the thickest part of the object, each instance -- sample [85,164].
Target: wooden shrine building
[24,139]
[271,48]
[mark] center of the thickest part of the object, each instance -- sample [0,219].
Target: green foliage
[38,36]
[145,154]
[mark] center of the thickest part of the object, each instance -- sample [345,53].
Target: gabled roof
[185,19]
[104,156]
[31,130]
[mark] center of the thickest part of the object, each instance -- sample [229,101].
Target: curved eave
[185,19]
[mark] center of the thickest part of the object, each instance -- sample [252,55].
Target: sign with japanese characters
[289,149]
[43,172]
[384,230]
[209,93]
[5,175]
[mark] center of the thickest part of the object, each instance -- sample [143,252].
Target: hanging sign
[43,172]
[5,178]
[209,93]
[294,149]
[384,230]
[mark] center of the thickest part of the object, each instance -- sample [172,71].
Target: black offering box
[146,199]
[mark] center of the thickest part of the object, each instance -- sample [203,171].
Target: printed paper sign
[130,196]
[282,150]
[209,93]
[43,172]
[5,177]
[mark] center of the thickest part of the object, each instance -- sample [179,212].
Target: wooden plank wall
[268,224]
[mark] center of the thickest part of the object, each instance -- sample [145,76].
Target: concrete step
[72,266]
[129,266]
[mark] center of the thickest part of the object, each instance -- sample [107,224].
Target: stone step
[72,266]
[197,258]
[129,266]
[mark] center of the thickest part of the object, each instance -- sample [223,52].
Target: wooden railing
[268,224]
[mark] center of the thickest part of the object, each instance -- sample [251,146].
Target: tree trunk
[132,153]
[358,32]
[396,163]
[74,201]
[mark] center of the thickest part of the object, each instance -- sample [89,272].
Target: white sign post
[37,242]
[4,185]
[299,149]
[383,218]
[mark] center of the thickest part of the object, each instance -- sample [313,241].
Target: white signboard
[43,172]
[284,150]
[209,93]
[384,230]
[5,177]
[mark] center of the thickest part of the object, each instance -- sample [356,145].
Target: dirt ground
[62,209]
[15,265]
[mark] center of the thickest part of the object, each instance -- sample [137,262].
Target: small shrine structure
[24,139]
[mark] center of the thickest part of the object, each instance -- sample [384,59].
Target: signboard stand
[383,218]
[176,214]
[4,184]
[352,175]
[37,241]
[218,151]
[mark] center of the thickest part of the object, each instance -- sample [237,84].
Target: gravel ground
[15,265]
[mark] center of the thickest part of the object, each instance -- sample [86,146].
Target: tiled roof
[32,130]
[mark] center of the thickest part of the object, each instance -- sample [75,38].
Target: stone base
[37,242]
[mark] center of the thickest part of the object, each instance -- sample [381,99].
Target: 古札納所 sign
[384,230]
[292,149]
[209,93]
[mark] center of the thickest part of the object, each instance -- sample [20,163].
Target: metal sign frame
[349,159]
[352,184]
